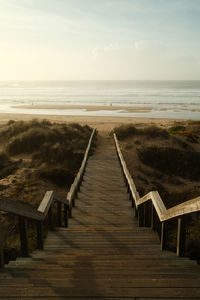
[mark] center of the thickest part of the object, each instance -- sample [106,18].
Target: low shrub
[29,141]
[172,161]
[154,132]
[176,129]
[125,131]
[33,139]
[15,128]
[58,175]
[4,159]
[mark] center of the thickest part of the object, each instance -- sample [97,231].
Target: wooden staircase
[103,253]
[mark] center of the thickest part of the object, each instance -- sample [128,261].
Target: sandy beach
[105,123]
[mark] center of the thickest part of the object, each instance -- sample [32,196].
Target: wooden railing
[71,196]
[25,212]
[151,211]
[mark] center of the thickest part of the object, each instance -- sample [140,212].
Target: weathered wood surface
[46,203]
[19,208]
[103,253]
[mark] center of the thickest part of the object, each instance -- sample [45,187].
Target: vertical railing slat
[181,236]
[23,236]
[39,235]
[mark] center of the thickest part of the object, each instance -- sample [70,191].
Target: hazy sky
[99,39]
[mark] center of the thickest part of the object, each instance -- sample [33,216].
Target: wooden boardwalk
[103,253]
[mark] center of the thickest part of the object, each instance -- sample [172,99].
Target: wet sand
[87,107]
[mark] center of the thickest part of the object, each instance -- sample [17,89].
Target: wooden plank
[98,292]
[46,203]
[19,208]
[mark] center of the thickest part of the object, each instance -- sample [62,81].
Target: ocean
[165,99]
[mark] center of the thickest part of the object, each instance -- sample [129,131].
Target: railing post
[132,201]
[140,216]
[147,222]
[23,236]
[153,217]
[66,209]
[39,235]
[181,236]
[136,211]
[163,235]
[50,221]
[59,212]
[69,211]
[73,201]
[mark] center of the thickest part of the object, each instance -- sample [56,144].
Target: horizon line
[54,80]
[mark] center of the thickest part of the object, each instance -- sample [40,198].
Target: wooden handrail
[25,211]
[179,210]
[79,176]
[20,209]
[163,214]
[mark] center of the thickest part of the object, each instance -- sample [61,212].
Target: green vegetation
[172,161]
[130,130]
[177,129]
[191,131]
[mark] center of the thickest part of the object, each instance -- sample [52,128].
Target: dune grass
[130,130]
[36,156]
[166,160]
[54,148]
[172,161]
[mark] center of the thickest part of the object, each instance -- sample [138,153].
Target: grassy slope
[37,156]
[166,160]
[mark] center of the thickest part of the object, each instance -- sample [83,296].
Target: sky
[100,40]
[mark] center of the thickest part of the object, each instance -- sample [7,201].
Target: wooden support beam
[69,211]
[181,236]
[136,211]
[132,200]
[50,219]
[163,235]
[23,236]
[66,213]
[73,202]
[39,236]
